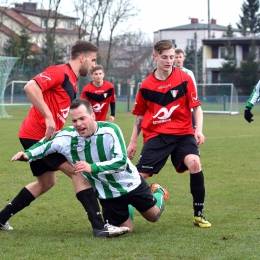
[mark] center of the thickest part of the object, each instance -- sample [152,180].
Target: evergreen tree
[20,46]
[189,62]
[229,32]
[228,70]
[249,21]
[249,71]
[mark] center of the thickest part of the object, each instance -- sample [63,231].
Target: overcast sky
[160,14]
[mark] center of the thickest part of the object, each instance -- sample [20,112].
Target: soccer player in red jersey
[162,110]
[100,93]
[51,93]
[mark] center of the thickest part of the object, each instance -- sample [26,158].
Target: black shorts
[156,151]
[49,163]
[116,210]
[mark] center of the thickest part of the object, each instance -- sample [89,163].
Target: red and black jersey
[100,98]
[166,104]
[59,88]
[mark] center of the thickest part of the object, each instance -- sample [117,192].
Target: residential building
[26,15]
[184,35]
[214,51]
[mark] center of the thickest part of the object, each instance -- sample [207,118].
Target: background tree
[249,21]
[100,16]
[229,32]
[189,62]
[249,72]
[50,17]
[21,46]
[120,11]
[228,71]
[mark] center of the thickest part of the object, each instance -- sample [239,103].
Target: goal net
[219,98]
[6,65]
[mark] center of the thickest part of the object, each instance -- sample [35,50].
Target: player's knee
[194,166]
[155,216]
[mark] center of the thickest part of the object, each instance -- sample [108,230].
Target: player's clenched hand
[200,138]
[50,128]
[82,166]
[248,115]
[131,150]
[111,119]
[20,156]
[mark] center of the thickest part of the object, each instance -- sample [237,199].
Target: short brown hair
[82,47]
[78,101]
[163,45]
[178,51]
[97,67]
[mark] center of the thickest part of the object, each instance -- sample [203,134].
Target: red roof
[15,15]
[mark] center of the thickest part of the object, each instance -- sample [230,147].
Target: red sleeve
[192,94]
[51,77]
[140,105]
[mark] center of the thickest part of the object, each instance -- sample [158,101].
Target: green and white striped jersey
[112,174]
[255,95]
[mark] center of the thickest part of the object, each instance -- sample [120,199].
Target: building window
[69,25]
[44,23]
[190,42]
[223,52]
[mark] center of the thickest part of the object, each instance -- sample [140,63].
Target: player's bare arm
[198,114]
[131,149]
[20,156]
[34,94]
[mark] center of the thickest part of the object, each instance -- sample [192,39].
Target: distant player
[101,94]
[179,59]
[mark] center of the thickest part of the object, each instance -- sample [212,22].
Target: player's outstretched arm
[20,156]
[248,115]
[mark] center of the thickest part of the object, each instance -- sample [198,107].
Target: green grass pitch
[56,227]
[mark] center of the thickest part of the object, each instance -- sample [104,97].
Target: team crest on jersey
[105,95]
[174,93]
[194,97]
[44,76]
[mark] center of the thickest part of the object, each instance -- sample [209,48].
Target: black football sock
[22,200]
[197,189]
[89,201]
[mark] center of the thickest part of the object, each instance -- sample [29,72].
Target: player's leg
[191,162]
[116,214]
[149,201]
[153,156]
[46,179]
[84,193]
[27,195]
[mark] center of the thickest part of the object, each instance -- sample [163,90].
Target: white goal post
[218,98]
[15,94]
